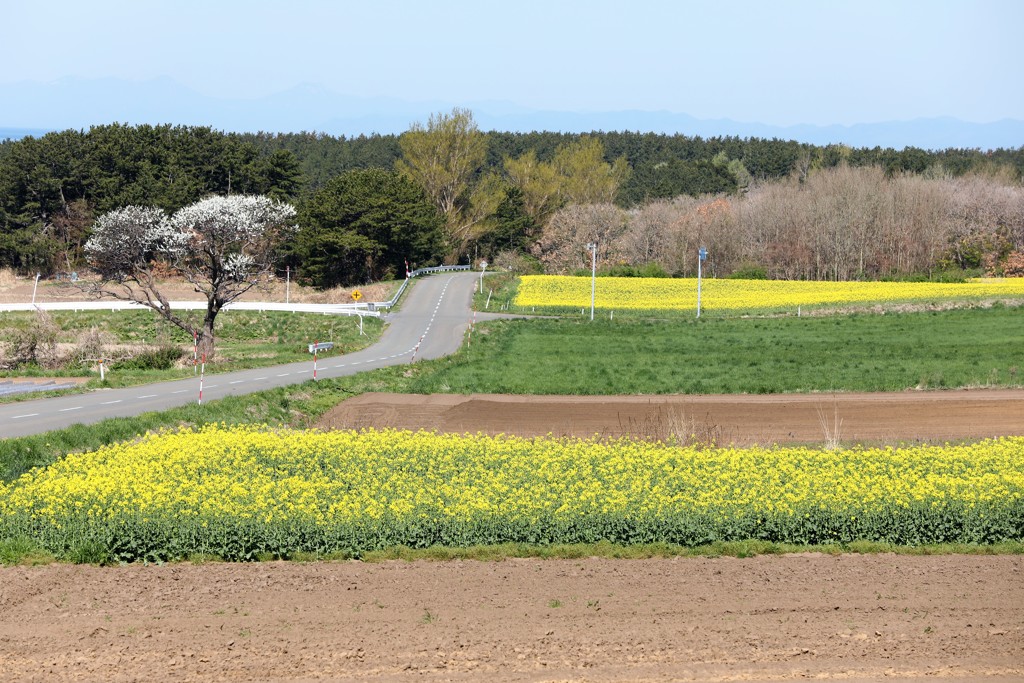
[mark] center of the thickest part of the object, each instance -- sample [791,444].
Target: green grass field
[892,352]
[244,339]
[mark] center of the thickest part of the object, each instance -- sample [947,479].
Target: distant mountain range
[35,108]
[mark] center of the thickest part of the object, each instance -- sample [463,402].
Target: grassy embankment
[244,339]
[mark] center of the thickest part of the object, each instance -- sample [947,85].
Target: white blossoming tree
[223,246]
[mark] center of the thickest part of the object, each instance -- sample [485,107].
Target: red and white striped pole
[202,374]
[417,349]
[316,346]
[195,352]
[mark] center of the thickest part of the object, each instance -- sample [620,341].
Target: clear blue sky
[772,61]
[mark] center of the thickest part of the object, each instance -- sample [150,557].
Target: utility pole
[593,275]
[702,256]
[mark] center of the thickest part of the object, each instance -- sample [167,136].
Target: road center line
[18,417]
[237,381]
[64,410]
[108,403]
[147,396]
[179,391]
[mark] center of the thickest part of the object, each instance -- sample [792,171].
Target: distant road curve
[435,316]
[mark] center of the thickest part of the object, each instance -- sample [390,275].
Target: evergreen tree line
[447,191]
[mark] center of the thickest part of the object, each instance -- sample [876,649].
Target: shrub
[623,270]
[36,343]
[519,263]
[91,344]
[749,271]
[160,358]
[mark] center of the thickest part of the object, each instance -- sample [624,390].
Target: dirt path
[765,618]
[740,420]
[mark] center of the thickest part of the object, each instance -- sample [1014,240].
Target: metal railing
[119,305]
[371,308]
[390,303]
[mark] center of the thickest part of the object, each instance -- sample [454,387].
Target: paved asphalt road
[436,309]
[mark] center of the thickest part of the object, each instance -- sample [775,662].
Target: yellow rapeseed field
[240,491]
[618,293]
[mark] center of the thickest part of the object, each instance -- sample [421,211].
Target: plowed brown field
[741,420]
[848,617]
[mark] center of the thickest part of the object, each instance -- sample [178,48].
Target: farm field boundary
[742,420]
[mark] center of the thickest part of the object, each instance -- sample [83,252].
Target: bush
[1013,265]
[519,263]
[36,343]
[92,343]
[749,271]
[947,275]
[160,358]
[622,270]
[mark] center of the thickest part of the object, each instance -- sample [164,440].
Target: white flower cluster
[124,239]
[230,235]
[237,219]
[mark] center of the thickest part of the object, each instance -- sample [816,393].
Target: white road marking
[382,359]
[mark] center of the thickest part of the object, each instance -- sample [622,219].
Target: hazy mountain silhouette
[33,108]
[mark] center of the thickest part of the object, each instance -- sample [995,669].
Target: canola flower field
[247,491]
[623,293]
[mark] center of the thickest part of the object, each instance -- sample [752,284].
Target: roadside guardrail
[362,308]
[390,303]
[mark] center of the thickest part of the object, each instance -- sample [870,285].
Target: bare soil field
[846,617]
[742,420]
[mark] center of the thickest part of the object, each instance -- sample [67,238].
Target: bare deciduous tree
[562,246]
[648,234]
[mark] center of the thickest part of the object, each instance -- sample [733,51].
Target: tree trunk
[206,341]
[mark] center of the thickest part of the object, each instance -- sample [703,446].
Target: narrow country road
[436,310]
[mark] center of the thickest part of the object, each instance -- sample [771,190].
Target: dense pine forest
[448,191]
